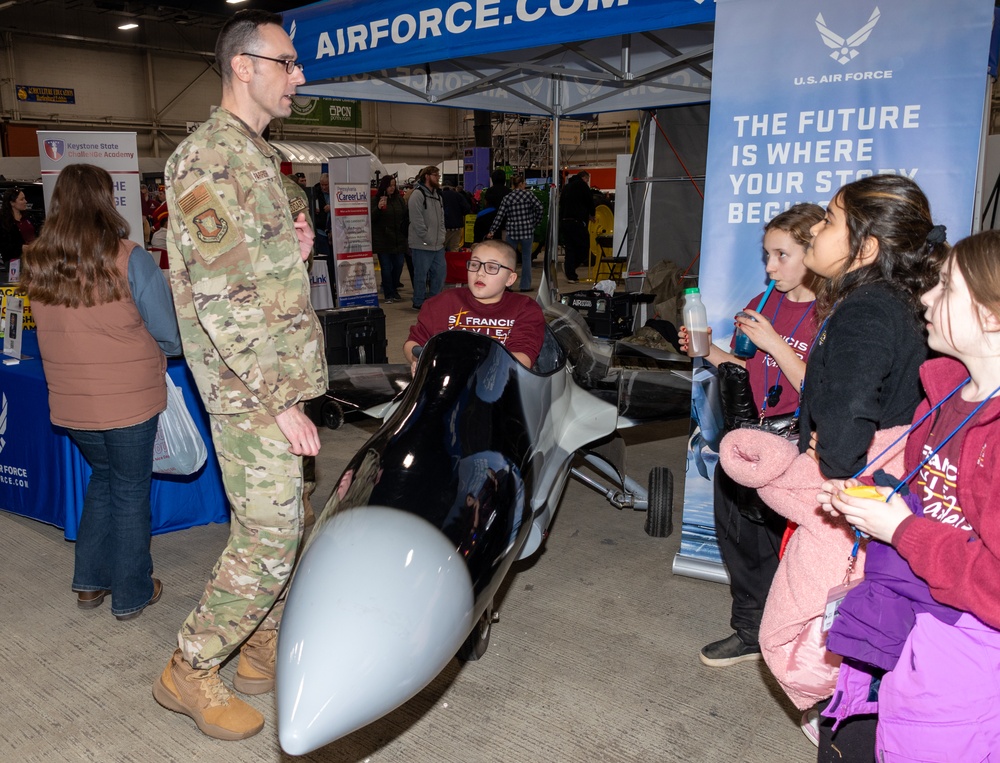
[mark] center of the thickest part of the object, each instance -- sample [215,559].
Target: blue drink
[742,346]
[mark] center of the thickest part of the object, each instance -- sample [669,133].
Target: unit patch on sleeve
[209,227]
[297,205]
[206,218]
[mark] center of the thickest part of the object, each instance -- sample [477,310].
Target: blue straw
[767,293]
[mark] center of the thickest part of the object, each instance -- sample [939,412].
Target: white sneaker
[810,725]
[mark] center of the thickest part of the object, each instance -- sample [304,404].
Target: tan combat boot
[255,671]
[201,695]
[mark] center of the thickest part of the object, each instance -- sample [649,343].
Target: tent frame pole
[552,243]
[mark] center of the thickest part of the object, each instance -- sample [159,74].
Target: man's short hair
[431,170]
[505,250]
[583,175]
[239,35]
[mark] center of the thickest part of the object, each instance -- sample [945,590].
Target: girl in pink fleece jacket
[940,701]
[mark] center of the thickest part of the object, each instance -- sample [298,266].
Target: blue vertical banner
[835,91]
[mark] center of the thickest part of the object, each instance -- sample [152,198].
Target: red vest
[103,369]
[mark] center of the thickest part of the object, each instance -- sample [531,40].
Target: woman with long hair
[17,229]
[879,249]
[105,318]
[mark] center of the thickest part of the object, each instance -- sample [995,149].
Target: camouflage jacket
[241,291]
[298,204]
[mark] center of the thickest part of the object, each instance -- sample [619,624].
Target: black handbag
[739,411]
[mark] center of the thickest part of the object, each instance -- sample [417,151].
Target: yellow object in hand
[864,491]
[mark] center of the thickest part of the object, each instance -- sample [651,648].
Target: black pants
[852,742]
[576,246]
[750,551]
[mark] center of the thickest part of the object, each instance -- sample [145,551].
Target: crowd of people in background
[506,209]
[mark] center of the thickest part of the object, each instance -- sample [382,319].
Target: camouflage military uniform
[254,346]
[298,203]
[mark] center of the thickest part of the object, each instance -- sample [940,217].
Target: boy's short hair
[505,250]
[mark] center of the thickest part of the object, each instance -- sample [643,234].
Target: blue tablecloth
[44,476]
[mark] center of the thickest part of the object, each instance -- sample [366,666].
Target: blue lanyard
[777,379]
[929,456]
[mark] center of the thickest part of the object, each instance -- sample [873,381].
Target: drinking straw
[767,293]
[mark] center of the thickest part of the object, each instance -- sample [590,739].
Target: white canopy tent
[318,153]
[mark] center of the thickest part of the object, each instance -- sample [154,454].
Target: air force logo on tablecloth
[55,149]
[844,50]
[3,423]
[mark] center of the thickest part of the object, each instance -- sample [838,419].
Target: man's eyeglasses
[290,66]
[490,267]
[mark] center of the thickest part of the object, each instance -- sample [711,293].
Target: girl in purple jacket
[939,699]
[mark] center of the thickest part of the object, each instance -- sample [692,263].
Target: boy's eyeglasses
[490,267]
[290,66]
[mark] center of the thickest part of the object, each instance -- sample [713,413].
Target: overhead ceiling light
[235,2]
[129,25]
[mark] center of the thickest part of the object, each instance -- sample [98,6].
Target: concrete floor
[594,657]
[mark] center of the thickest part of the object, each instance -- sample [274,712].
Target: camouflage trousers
[263,482]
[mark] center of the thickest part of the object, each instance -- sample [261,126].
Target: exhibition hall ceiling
[161,10]
[177,24]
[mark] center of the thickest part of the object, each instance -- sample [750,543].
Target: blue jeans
[427,263]
[112,544]
[392,269]
[524,247]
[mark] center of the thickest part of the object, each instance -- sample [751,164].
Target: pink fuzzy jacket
[815,560]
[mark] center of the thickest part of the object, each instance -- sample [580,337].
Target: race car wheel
[478,642]
[332,415]
[659,514]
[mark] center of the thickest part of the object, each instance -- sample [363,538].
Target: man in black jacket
[576,210]
[320,203]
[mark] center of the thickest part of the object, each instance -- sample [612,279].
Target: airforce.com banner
[345,37]
[837,91]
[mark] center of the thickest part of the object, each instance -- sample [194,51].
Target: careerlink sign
[338,38]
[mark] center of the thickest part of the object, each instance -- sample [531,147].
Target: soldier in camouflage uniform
[298,202]
[254,346]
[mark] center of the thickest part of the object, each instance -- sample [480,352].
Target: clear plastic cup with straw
[743,347]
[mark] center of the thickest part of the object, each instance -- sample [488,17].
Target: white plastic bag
[178,448]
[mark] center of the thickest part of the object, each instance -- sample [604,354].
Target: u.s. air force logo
[844,50]
[209,227]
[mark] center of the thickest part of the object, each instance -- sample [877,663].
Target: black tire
[660,513]
[332,415]
[478,642]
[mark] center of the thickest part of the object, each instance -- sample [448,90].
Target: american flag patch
[193,199]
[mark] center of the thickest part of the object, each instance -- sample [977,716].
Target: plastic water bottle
[696,321]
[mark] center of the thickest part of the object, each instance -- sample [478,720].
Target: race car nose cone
[380,602]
